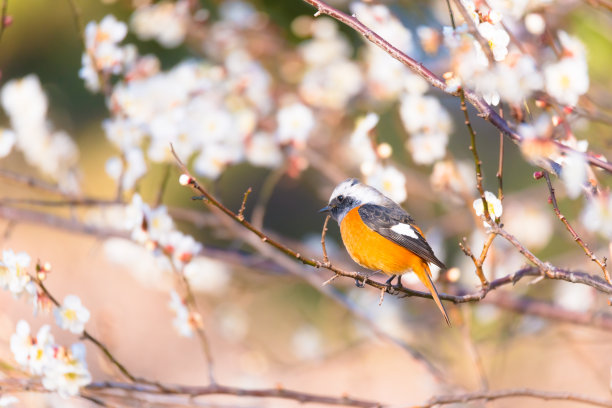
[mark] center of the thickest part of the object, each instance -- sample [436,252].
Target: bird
[381,236]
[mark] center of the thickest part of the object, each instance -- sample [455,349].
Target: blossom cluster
[62,369]
[52,152]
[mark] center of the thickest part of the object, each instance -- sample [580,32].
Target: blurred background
[268,318]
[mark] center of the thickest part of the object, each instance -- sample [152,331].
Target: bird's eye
[340,198]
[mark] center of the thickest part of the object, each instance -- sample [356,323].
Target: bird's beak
[325,209]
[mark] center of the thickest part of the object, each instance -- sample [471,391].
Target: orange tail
[424,276]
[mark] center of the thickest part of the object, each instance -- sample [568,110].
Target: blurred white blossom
[596,215]
[166,22]
[13,271]
[389,181]
[307,343]
[295,123]
[7,141]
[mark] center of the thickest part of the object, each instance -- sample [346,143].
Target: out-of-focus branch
[116,389]
[515,393]
[484,109]
[550,311]
[4,17]
[575,236]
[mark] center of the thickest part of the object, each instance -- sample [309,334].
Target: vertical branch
[191,304]
[553,200]
[468,123]
[264,196]
[471,346]
[323,233]
[162,188]
[477,161]
[4,17]
[500,169]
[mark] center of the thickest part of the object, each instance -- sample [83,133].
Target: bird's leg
[388,281]
[366,276]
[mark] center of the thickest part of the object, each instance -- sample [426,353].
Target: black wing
[382,219]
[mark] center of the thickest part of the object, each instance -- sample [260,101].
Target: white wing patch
[406,230]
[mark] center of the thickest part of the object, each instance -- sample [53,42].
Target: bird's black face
[339,206]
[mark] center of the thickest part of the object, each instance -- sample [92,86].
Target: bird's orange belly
[373,251]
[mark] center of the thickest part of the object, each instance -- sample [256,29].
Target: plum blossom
[494,206]
[67,373]
[72,315]
[13,271]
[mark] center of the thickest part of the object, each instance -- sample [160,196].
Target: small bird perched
[379,235]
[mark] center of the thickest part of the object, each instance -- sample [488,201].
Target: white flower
[454,177]
[530,223]
[535,23]
[40,352]
[7,141]
[21,342]
[516,78]
[498,39]
[108,31]
[426,148]
[567,79]
[8,400]
[13,273]
[136,168]
[215,157]
[597,215]
[122,132]
[24,101]
[182,247]
[67,373]
[421,113]
[494,206]
[263,151]
[307,343]
[181,322]
[379,19]
[164,22]
[574,297]
[389,181]
[72,315]
[362,145]
[295,122]
[574,173]
[207,275]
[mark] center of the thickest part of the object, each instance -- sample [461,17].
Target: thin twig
[88,336]
[267,189]
[323,233]
[162,187]
[553,200]
[191,303]
[243,205]
[500,168]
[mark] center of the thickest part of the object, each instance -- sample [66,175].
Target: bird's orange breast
[373,251]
